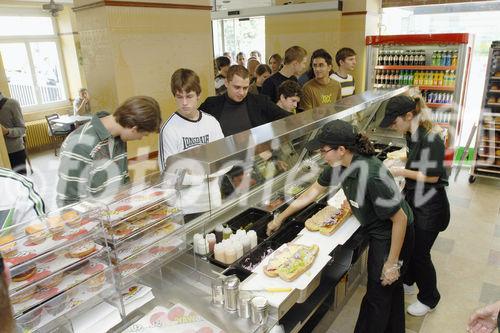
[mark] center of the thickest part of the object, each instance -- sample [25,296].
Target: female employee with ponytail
[426,179]
[385,218]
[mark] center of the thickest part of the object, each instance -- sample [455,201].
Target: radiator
[37,135]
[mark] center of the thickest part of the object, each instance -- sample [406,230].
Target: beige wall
[131,51]
[309,30]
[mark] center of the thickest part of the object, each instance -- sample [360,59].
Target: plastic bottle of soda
[452,78]
[438,58]
[454,58]
[380,57]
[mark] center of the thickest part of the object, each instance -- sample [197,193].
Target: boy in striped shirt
[94,156]
[346,60]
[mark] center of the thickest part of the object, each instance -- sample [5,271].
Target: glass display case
[156,262]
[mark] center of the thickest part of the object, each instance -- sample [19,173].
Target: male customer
[294,64]
[94,156]
[187,128]
[13,130]
[290,93]
[237,110]
[223,64]
[320,90]
[346,60]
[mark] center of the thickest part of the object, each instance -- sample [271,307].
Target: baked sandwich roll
[290,261]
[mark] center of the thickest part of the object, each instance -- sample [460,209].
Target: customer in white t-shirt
[187,128]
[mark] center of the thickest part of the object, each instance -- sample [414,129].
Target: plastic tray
[251,219]
[255,256]
[289,231]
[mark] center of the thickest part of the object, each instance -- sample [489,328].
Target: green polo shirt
[93,162]
[372,193]
[426,154]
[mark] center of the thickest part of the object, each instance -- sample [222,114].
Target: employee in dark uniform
[426,180]
[385,217]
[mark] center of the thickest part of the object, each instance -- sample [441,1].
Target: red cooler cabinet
[437,64]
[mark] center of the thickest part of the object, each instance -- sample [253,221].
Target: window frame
[26,40]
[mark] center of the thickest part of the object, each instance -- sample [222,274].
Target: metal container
[259,310]
[244,304]
[218,291]
[231,289]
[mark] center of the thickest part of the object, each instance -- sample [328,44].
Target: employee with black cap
[386,219]
[426,179]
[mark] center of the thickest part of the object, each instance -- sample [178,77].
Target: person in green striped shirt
[20,201]
[94,156]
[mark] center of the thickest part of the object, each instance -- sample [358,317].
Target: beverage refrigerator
[437,64]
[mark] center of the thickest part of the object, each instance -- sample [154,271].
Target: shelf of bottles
[488,147]
[434,75]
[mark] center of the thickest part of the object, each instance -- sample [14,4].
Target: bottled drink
[440,78]
[454,58]
[401,58]
[411,58]
[389,59]
[406,59]
[452,78]
[438,58]
[386,79]
[434,58]
[380,58]
[385,58]
[434,78]
[377,79]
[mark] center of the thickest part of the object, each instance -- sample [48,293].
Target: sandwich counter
[187,251]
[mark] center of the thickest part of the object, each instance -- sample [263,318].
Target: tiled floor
[467,260]
[466,255]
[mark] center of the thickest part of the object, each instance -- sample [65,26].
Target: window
[240,35]
[31,57]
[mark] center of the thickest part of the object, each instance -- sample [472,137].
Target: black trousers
[18,161]
[382,309]
[421,269]
[430,218]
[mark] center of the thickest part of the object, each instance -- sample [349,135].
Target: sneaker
[418,309]
[409,290]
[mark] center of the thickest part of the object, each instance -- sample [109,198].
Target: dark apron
[434,214]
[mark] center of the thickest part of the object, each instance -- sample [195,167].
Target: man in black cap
[386,219]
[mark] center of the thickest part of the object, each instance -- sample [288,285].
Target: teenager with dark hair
[320,90]
[94,156]
[385,218]
[425,191]
[237,110]
[290,94]
[241,59]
